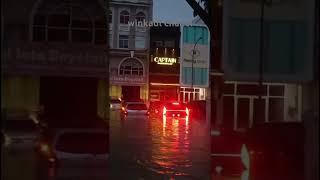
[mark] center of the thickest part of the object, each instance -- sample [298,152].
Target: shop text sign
[39,56]
[165,60]
[127,80]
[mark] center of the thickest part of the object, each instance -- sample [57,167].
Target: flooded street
[159,148]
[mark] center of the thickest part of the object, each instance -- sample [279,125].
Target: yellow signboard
[165,60]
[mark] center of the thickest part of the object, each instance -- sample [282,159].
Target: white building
[129,48]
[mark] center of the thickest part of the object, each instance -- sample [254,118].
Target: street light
[193,53]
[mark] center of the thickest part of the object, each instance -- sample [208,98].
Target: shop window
[228,111]
[276,109]
[259,110]
[243,113]
[251,89]
[276,90]
[228,88]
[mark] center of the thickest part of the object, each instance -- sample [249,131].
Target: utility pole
[193,53]
[261,59]
[216,72]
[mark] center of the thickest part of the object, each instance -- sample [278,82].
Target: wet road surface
[158,148]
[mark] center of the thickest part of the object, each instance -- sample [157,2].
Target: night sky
[176,11]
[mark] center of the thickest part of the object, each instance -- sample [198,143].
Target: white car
[136,109]
[115,104]
[73,154]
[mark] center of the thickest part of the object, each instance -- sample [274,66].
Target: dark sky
[177,11]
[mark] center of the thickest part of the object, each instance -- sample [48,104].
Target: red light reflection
[171,145]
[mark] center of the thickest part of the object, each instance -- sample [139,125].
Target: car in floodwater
[72,153]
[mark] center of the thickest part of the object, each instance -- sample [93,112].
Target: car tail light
[245,156]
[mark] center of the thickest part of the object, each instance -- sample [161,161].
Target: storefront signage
[194,52]
[165,60]
[54,59]
[127,80]
[54,56]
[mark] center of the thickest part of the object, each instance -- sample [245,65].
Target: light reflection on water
[165,146]
[171,148]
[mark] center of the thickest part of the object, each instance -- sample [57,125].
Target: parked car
[135,108]
[124,102]
[274,151]
[20,133]
[72,154]
[115,104]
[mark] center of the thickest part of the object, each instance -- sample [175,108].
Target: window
[110,41]
[100,31]
[248,108]
[157,43]
[131,67]
[140,42]
[124,17]
[169,44]
[140,17]
[69,23]
[123,41]
[110,17]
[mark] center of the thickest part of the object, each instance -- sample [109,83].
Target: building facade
[54,56]
[128,42]
[164,69]
[287,61]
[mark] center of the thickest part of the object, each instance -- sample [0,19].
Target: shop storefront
[164,63]
[128,77]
